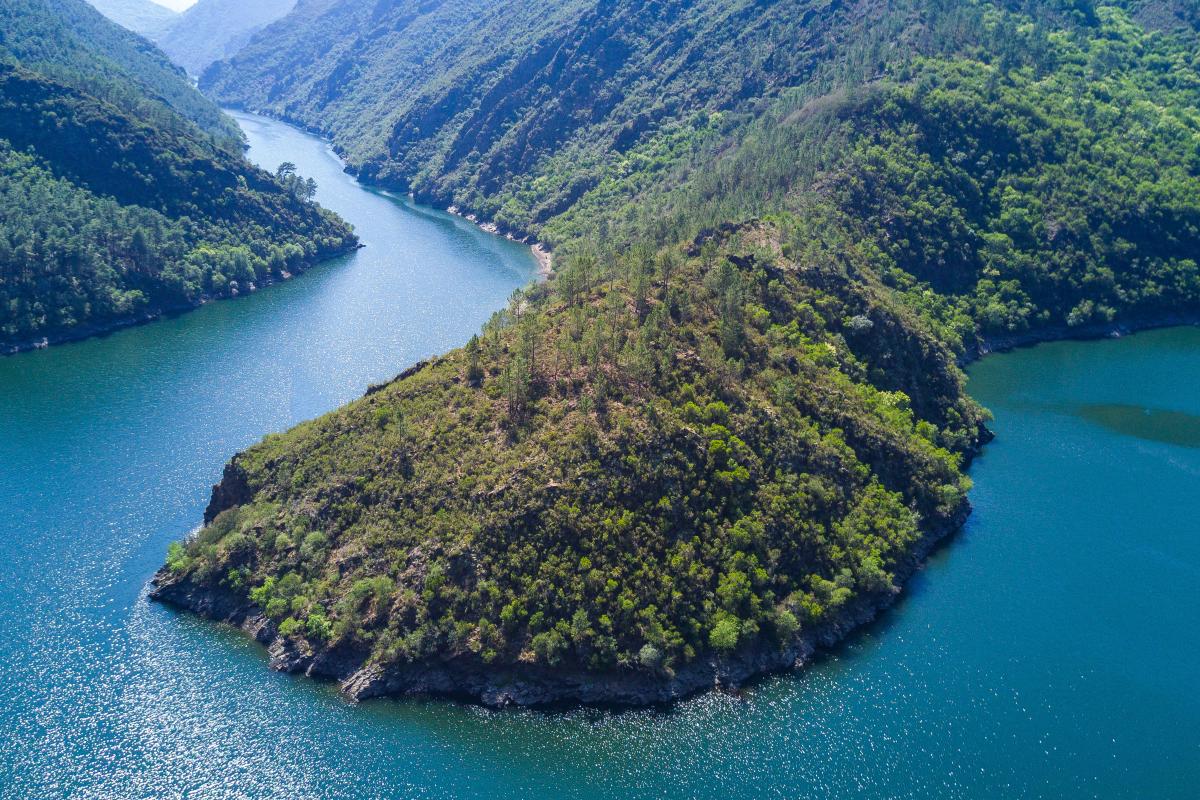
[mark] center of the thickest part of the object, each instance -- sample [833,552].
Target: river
[1048,651]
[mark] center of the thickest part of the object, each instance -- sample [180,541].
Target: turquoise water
[1049,651]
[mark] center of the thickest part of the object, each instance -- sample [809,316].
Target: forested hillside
[514,111]
[215,29]
[732,423]
[458,100]
[115,205]
[76,45]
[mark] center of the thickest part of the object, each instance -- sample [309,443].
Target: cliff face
[232,491]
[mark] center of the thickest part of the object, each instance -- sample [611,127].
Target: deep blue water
[1049,651]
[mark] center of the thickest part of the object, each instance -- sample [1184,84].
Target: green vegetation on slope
[641,473]
[110,217]
[733,417]
[72,43]
[467,102]
[1047,178]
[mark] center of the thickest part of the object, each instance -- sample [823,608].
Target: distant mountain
[514,110]
[215,29]
[140,16]
[123,191]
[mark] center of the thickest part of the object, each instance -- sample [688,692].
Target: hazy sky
[178,5]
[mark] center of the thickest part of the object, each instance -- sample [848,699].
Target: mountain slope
[73,43]
[214,29]
[730,426]
[140,16]
[465,101]
[111,216]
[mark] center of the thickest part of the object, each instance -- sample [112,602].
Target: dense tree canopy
[71,42]
[110,216]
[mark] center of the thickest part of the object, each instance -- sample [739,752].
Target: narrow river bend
[1049,651]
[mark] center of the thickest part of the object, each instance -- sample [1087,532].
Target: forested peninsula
[733,422]
[125,192]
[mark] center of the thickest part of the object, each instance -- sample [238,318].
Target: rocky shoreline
[523,685]
[1102,330]
[544,258]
